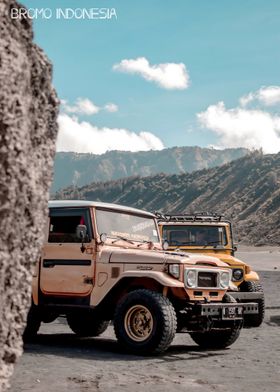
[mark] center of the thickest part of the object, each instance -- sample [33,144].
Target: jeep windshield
[196,235]
[126,226]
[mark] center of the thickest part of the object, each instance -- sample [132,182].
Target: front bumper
[203,317]
[225,311]
[241,296]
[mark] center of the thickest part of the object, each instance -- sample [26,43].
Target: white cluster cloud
[168,75]
[84,137]
[85,106]
[267,96]
[241,127]
[82,106]
[111,107]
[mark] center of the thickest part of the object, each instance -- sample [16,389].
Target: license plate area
[232,312]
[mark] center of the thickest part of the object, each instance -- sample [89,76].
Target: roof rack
[195,217]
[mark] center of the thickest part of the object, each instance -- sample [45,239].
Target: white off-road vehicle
[103,262]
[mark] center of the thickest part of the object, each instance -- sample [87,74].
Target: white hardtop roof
[97,204]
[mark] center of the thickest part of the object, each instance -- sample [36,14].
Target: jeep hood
[135,256]
[228,259]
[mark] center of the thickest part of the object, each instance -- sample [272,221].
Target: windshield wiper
[118,237]
[212,242]
[145,242]
[182,243]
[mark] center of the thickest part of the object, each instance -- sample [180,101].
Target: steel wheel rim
[138,323]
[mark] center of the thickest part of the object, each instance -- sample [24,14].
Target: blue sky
[229,48]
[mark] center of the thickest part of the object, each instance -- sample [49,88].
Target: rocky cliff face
[28,111]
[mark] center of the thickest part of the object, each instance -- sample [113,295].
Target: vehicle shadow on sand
[69,345]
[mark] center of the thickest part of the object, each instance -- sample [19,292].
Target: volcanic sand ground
[58,361]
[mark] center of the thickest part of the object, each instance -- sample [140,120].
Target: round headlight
[174,270]
[191,278]
[224,280]
[237,274]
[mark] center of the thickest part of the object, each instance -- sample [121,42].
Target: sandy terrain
[58,361]
[265,258]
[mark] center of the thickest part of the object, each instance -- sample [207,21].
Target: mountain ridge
[81,169]
[246,190]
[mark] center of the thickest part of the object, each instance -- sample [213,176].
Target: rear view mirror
[81,232]
[103,238]
[165,245]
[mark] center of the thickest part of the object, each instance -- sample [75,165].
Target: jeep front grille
[207,279]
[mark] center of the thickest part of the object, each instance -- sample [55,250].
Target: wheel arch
[124,286]
[252,275]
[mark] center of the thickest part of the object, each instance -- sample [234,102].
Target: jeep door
[65,269]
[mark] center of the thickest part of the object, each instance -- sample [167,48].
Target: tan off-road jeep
[211,234]
[105,262]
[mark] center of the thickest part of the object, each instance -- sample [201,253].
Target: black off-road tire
[164,322]
[254,320]
[33,324]
[219,338]
[86,325]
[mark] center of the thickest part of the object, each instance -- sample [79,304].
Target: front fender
[103,289]
[252,275]
[158,276]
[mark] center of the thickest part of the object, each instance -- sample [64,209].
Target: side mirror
[81,232]
[234,247]
[103,238]
[165,245]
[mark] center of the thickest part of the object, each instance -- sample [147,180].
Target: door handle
[88,280]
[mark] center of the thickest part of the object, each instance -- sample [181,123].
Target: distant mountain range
[246,190]
[81,169]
